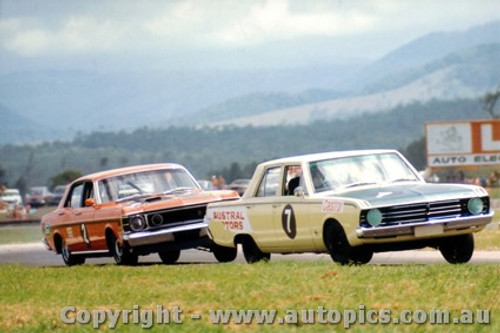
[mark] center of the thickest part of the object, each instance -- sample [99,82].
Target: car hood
[164,202]
[412,193]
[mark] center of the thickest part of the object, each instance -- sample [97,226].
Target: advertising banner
[463,143]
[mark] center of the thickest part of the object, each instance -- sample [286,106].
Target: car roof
[11,190]
[327,155]
[128,170]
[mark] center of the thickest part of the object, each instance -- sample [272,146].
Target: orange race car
[127,212]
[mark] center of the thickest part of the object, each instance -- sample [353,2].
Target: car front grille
[170,217]
[423,212]
[175,217]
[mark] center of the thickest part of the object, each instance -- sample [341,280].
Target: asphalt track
[35,254]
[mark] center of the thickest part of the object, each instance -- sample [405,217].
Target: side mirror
[89,202]
[299,192]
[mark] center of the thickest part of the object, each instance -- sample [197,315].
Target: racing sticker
[332,206]
[234,219]
[288,221]
[85,236]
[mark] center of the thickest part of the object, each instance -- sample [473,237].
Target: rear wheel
[69,258]
[341,251]
[169,257]
[224,253]
[121,254]
[458,249]
[252,252]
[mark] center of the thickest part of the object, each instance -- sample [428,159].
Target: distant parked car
[12,197]
[128,212]
[239,185]
[57,195]
[38,196]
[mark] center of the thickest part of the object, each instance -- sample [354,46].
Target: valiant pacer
[349,204]
[124,213]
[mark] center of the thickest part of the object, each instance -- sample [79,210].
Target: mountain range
[48,105]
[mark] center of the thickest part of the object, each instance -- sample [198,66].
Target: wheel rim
[65,252]
[118,251]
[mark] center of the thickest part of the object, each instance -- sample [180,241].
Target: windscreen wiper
[178,189]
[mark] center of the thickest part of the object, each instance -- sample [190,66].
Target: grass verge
[32,298]
[21,233]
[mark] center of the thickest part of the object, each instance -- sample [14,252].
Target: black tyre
[360,255]
[458,249]
[224,254]
[341,251]
[121,254]
[169,257]
[68,258]
[252,252]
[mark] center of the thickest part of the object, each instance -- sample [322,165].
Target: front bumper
[151,237]
[448,224]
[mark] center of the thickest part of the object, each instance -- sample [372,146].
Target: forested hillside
[441,65]
[206,150]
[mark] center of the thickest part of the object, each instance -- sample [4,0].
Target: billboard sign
[463,143]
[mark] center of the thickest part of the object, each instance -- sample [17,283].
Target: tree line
[232,151]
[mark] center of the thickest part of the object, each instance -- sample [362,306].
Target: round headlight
[137,223]
[374,217]
[156,219]
[47,229]
[475,206]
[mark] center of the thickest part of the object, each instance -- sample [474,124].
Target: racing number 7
[288,221]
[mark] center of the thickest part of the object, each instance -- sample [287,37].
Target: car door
[291,214]
[78,217]
[260,208]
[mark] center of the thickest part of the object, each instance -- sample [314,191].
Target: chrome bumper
[162,235]
[409,229]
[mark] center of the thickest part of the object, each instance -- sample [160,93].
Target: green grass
[22,233]
[32,298]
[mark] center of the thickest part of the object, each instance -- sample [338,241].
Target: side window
[270,182]
[79,193]
[75,196]
[292,179]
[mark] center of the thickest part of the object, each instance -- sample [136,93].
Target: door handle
[60,213]
[78,213]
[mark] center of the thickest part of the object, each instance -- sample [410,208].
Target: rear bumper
[462,223]
[167,235]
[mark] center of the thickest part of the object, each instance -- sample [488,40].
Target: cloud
[113,27]
[76,35]
[273,20]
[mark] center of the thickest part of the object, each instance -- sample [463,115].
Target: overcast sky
[217,33]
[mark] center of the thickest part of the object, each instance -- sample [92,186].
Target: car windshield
[347,172]
[142,184]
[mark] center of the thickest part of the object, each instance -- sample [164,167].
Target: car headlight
[156,220]
[47,229]
[475,206]
[137,223]
[374,217]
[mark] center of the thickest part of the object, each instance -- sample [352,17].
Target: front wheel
[69,258]
[458,249]
[224,254]
[121,254]
[341,251]
[252,252]
[169,257]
